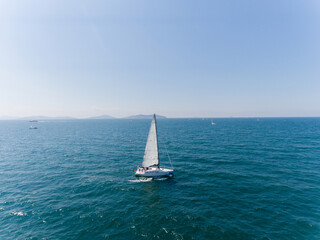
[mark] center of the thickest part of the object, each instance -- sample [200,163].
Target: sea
[242,178]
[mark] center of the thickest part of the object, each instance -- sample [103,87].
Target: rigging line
[165,145]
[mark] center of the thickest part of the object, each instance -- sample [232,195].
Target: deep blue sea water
[239,179]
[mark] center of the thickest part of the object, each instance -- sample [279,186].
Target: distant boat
[33,127]
[151,164]
[212,123]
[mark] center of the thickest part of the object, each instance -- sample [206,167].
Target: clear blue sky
[176,58]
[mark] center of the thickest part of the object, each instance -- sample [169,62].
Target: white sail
[151,154]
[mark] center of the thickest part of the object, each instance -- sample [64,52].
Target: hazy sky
[176,58]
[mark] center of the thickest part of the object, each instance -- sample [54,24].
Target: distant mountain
[102,117]
[141,116]
[44,118]
[7,118]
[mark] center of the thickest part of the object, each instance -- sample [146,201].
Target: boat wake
[161,179]
[141,180]
[147,180]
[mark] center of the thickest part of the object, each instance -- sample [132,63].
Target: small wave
[18,213]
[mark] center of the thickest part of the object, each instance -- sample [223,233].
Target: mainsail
[151,154]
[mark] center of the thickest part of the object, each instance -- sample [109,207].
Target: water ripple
[241,179]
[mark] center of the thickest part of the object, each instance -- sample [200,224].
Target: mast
[155,123]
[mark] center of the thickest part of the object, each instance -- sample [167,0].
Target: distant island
[102,117]
[141,116]
[44,118]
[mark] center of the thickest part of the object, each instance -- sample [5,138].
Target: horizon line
[109,117]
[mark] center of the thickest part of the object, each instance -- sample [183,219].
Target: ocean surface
[238,179]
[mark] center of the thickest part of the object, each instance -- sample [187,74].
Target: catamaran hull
[154,173]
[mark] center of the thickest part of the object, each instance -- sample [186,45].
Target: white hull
[154,172]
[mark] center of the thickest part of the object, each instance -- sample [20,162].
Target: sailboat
[151,164]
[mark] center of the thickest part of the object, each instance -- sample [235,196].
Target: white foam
[141,180]
[160,179]
[148,180]
[19,213]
